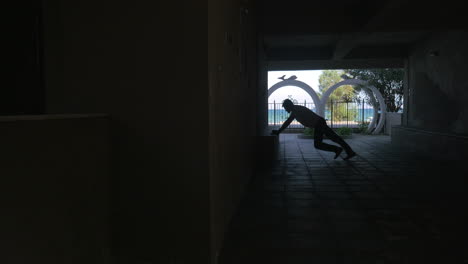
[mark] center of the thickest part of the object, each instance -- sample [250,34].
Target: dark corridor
[385,206]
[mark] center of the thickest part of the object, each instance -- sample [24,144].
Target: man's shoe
[350,155]
[337,153]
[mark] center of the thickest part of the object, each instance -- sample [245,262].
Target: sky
[309,77]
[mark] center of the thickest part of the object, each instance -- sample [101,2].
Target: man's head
[288,105]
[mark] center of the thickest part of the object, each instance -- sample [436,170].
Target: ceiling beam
[334,64]
[352,40]
[300,53]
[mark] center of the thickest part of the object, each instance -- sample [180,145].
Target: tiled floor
[383,206]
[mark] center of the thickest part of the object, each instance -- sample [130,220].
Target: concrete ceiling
[300,34]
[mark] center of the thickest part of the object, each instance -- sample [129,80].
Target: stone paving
[383,206]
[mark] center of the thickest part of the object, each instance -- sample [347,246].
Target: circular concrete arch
[299,84]
[369,90]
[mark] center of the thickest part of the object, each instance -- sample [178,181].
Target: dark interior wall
[431,108]
[438,89]
[144,63]
[233,82]
[262,90]
[54,189]
[21,78]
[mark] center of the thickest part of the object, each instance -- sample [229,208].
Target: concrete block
[266,150]
[438,145]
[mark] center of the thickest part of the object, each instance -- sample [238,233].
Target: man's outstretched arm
[284,126]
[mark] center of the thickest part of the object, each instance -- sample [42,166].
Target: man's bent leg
[335,138]
[319,130]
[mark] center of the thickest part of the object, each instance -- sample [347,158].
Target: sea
[282,115]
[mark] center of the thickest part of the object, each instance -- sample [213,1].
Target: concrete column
[430,107]
[406,94]
[262,90]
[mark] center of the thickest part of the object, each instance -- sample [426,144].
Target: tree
[388,81]
[330,77]
[340,97]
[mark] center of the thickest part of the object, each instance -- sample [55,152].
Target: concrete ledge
[54,189]
[392,119]
[266,151]
[433,144]
[49,117]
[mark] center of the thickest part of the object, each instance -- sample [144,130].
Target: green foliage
[343,93]
[344,131]
[342,111]
[388,81]
[308,131]
[363,127]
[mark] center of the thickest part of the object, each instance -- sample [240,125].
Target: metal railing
[351,114]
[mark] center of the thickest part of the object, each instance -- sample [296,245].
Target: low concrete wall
[392,119]
[432,144]
[54,189]
[267,148]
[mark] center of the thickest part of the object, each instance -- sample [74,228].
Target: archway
[369,89]
[299,84]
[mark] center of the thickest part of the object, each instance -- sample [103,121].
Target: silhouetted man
[308,118]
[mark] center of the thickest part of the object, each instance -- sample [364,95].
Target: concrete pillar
[406,94]
[435,119]
[262,90]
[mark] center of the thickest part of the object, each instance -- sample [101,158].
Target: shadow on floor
[384,206]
